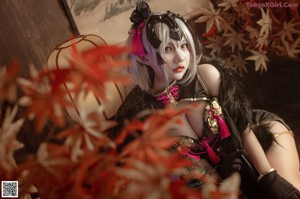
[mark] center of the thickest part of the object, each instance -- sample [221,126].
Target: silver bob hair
[141,68]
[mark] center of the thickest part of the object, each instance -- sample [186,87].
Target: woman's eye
[168,49]
[185,46]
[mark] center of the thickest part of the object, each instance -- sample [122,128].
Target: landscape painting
[109,19]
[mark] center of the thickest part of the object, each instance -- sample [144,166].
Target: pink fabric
[137,44]
[166,98]
[224,131]
[214,158]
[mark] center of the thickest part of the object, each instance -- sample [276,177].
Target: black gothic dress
[225,118]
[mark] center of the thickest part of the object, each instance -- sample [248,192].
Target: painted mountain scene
[109,19]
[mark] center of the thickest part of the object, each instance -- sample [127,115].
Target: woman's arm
[270,181]
[255,152]
[237,112]
[283,155]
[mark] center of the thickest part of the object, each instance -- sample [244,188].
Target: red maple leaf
[94,67]
[42,101]
[8,78]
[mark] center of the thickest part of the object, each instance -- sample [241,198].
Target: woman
[164,59]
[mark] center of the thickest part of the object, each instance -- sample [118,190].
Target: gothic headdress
[143,18]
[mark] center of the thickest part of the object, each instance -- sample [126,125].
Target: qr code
[9,189]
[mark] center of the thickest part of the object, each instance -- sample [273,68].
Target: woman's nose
[179,56]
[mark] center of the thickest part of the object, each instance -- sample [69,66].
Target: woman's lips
[179,69]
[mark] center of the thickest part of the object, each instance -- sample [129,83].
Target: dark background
[31,29]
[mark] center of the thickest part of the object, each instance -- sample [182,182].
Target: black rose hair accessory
[138,17]
[142,15]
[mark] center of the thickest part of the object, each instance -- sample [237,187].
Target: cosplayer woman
[164,59]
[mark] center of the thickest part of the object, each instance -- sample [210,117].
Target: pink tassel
[224,131]
[137,45]
[212,155]
[214,158]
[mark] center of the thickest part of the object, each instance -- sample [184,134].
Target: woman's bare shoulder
[210,76]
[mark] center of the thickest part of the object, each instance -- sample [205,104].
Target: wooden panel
[29,31]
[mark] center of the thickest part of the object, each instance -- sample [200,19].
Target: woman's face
[177,58]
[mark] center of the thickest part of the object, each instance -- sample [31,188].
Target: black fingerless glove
[238,162]
[277,187]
